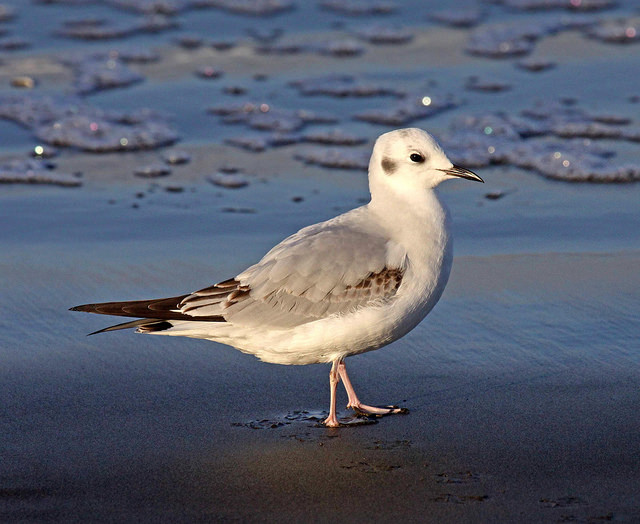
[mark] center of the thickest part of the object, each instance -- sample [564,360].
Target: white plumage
[345,286]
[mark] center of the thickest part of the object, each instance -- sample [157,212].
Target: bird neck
[419,221]
[409,210]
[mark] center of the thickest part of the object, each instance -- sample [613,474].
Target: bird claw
[330,423]
[379,411]
[354,420]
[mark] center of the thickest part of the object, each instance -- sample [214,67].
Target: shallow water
[521,385]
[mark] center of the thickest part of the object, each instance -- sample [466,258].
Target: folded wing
[324,269]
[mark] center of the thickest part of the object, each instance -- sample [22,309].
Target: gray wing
[328,268]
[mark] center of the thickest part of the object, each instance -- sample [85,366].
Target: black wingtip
[84,307]
[103,330]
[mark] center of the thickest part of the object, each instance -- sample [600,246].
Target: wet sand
[522,389]
[522,384]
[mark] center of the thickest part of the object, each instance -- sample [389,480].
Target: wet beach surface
[147,154]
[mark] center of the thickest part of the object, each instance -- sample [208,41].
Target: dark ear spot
[388,166]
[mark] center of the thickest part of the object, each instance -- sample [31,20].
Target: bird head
[410,160]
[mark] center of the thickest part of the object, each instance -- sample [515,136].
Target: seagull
[352,284]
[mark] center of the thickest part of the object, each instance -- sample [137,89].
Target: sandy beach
[521,385]
[522,392]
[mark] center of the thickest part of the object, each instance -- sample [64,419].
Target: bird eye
[417,158]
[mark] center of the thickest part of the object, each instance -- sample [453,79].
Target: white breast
[425,245]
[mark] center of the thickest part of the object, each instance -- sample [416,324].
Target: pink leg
[332,420]
[354,403]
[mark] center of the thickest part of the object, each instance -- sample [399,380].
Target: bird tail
[156,314]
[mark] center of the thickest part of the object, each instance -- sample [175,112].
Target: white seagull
[352,284]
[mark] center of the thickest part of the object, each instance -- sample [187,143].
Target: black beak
[462,173]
